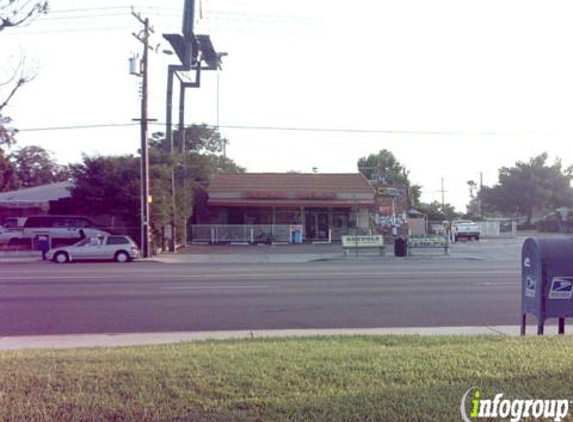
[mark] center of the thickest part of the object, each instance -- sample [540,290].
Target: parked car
[13,223]
[66,229]
[6,235]
[465,228]
[105,248]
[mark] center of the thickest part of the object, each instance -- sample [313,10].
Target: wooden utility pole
[443,197]
[143,37]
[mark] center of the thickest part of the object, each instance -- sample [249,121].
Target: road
[153,297]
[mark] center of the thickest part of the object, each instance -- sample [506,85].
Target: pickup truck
[465,228]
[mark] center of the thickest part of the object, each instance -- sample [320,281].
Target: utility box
[547,281]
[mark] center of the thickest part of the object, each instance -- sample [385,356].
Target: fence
[498,228]
[241,233]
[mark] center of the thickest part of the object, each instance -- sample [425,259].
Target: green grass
[388,378]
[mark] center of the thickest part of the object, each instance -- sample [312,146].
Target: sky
[454,88]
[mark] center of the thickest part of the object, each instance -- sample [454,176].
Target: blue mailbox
[547,281]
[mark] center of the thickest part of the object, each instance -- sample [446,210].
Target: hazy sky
[452,88]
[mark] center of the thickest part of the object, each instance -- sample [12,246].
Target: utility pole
[143,37]
[443,197]
[479,194]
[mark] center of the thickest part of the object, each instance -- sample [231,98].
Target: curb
[72,341]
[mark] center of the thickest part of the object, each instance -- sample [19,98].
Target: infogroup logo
[474,407]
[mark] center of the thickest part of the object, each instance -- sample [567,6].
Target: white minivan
[65,228]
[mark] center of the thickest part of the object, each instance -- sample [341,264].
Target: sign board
[372,241]
[427,241]
[387,191]
[561,288]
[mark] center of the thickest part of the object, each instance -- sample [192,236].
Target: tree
[473,207]
[8,174]
[196,162]
[434,211]
[15,13]
[7,132]
[107,185]
[385,168]
[529,187]
[35,166]
[111,185]
[19,12]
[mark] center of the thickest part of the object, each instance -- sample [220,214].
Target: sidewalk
[19,257]
[252,254]
[70,341]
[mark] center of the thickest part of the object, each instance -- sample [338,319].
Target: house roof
[289,182]
[38,194]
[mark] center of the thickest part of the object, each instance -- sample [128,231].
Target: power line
[75,127]
[296,129]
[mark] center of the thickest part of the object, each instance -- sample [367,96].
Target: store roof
[289,182]
[290,189]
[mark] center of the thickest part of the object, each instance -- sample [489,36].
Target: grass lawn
[387,378]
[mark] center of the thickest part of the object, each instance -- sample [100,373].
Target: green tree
[35,166]
[111,185]
[8,174]
[473,207]
[194,162]
[530,187]
[385,168]
[435,212]
[107,185]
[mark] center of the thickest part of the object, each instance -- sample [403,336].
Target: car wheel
[61,258]
[121,257]
[13,242]
[477,238]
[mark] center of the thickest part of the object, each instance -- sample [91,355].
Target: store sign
[315,195]
[362,241]
[427,241]
[387,191]
[256,194]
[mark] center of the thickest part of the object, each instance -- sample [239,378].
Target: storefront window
[288,216]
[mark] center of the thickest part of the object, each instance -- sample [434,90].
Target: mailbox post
[547,281]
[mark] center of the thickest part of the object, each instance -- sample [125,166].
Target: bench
[428,242]
[355,243]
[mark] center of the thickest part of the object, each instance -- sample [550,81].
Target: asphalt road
[152,297]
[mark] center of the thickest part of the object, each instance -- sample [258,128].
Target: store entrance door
[316,225]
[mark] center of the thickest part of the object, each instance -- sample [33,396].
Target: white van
[60,227]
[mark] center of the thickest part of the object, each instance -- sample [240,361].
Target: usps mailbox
[547,281]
